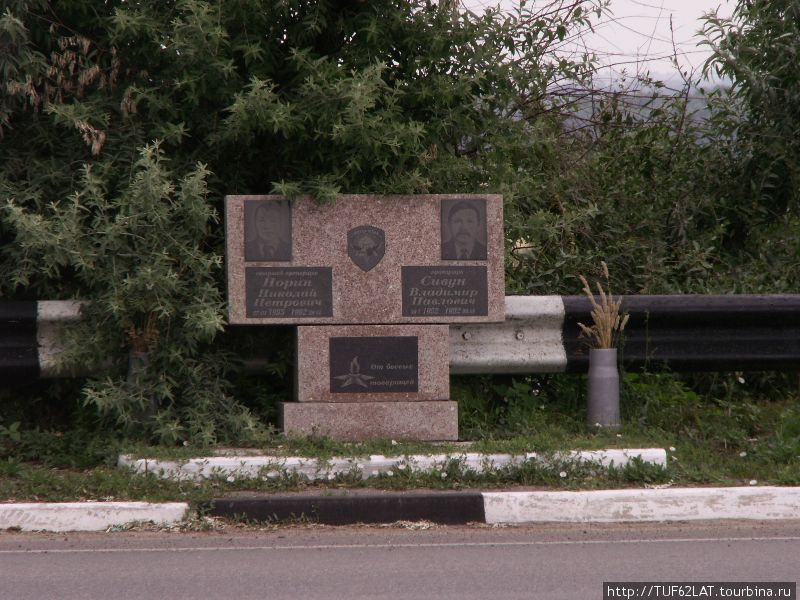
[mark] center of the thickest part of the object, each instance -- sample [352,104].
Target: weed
[638,471]
[10,432]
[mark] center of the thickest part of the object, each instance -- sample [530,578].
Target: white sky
[638,31]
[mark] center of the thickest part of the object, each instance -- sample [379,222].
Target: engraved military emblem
[366,246]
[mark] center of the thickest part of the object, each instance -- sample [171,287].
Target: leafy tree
[124,124]
[756,50]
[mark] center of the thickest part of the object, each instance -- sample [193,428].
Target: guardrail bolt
[519,334]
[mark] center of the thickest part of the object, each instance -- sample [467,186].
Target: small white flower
[331,476]
[394,443]
[672,448]
[230,479]
[185,442]
[742,453]
[619,435]
[597,425]
[753,482]
[444,475]
[401,467]
[389,473]
[562,474]
[740,379]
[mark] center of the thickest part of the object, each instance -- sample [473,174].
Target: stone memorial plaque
[288,292]
[368,244]
[452,291]
[372,363]
[369,365]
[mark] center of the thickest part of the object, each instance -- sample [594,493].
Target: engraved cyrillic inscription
[445,291]
[283,292]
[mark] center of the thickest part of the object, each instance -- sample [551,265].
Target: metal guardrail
[18,348]
[29,337]
[539,335]
[685,333]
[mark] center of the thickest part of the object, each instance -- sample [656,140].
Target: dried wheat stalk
[142,339]
[607,323]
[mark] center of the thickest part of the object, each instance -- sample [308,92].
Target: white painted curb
[674,504]
[87,516]
[313,469]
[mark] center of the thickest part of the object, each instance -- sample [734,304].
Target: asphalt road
[538,562]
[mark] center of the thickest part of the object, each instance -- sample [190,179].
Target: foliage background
[124,124]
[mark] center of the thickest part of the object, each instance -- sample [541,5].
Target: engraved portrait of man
[267,230]
[463,229]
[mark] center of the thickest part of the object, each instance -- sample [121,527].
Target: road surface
[461,563]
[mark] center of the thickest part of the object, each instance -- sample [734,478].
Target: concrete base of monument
[358,421]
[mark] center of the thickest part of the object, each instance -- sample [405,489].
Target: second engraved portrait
[463,229]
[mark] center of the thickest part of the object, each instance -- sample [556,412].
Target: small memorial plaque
[374,364]
[451,291]
[296,292]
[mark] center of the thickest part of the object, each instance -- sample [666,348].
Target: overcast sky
[638,31]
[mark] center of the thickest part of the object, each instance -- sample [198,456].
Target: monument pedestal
[356,382]
[355,421]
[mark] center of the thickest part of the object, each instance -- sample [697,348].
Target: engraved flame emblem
[354,377]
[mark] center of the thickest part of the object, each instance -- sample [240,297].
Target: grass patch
[321,448]
[719,432]
[688,465]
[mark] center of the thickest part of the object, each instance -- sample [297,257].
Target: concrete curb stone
[313,469]
[439,507]
[346,507]
[596,506]
[87,516]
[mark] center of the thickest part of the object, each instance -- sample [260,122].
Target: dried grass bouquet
[607,323]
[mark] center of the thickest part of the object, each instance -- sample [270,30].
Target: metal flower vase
[603,392]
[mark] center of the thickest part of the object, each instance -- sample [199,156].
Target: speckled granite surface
[337,290]
[350,421]
[379,374]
